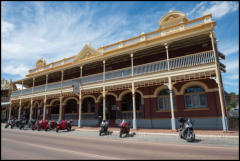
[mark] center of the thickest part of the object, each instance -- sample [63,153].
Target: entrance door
[110,108]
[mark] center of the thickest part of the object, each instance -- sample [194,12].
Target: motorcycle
[9,123]
[22,124]
[15,123]
[186,129]
[52,124]
[103,128]
[124,128]
[43,124]
[63,125]
[34,124]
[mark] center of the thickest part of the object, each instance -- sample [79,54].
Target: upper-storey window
[164,100]
[195,97]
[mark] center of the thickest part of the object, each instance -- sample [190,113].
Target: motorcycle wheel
[12,126]
[190,136]
[69,128]
[180,135]
[57,129]
[120,134]
[100,133]
[6,126]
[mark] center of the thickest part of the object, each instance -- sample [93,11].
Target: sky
[57,30]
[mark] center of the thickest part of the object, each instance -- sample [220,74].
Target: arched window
[71,106]
[195,97]
[55,107]
[163,98]
[127,102]
[14,112]
[88,105]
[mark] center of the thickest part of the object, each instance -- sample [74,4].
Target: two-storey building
[151,80]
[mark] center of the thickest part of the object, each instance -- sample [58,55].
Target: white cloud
[21,70]
[229,48]
[232,66]
[234,76]
[59,33]
[218,9]
[6,27]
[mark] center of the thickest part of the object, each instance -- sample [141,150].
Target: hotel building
[150,80]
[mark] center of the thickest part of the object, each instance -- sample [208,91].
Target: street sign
[75,88]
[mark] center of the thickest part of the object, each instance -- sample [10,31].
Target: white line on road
[64,150]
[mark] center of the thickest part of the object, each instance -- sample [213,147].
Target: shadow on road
[196,141]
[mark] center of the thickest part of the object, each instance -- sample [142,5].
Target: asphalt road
[28,144]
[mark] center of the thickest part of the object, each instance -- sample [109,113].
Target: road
[28,144]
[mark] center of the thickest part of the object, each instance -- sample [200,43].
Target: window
[195,97]
[163,98]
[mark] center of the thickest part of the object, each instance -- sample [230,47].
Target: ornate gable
[40,63]
[172,18]
[87,52]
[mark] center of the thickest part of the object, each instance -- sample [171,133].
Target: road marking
[64,150]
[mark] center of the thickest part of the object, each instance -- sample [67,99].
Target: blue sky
[57,30]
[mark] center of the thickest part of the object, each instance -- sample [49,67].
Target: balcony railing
[159,66]
[5,99]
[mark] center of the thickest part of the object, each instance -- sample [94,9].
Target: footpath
[201,133]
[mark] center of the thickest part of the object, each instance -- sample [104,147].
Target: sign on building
[75,88]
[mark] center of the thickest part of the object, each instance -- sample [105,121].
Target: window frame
[167,96]
[192,94]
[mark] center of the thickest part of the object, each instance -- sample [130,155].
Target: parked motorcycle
[63,125]
[186,129]
[103,128]
[34,124]
[124,128]
[43,124]
[52,124]
[23,123]
[15,123]
[9,123]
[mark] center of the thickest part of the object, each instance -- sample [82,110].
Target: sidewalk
[204,133]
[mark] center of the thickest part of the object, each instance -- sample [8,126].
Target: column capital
[131,55]
[169,86]
[104,61]
[81,67]
[216,79]
[166,45]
